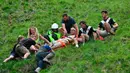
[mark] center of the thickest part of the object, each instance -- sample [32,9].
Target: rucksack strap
[88,29]
[81,29]
[105,21]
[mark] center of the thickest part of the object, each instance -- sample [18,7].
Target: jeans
[40,56]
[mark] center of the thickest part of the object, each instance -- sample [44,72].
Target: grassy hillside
[109,56]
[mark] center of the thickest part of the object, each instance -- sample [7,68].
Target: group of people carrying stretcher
[59,37]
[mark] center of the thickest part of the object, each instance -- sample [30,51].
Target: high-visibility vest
[50,35]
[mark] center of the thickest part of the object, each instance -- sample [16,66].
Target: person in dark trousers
[108,25]
[13,54]
[44,54]
[67,23]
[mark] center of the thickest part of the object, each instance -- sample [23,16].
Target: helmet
[54,26]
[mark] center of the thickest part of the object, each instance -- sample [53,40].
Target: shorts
[104,33]
[13,54]
[21,50]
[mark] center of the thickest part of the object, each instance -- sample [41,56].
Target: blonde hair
[36,32]
[73,29]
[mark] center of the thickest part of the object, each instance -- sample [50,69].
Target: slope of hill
[109,56]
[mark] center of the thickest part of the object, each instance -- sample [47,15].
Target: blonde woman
[34,31]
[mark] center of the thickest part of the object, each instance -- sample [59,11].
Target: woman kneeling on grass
[13,54]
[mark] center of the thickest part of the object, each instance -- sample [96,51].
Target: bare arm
[76,42]
[28,34]
[94,35]
[37,46]
[44,39]
[63,26]
[115,25]
[77,30]
[98,28]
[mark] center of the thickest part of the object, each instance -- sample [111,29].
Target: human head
[65,17]
[32,30]
[20,37]
[104,14]
[83,24]
[72,31]
[54,27]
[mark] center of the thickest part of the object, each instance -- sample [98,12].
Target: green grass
[109,56]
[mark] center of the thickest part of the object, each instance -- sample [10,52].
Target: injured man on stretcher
[71,39]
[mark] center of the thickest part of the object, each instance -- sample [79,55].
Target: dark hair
[64,15]
[55,30]
[104,11]
[83,22]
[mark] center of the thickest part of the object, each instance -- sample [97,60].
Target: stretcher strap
[62,43]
